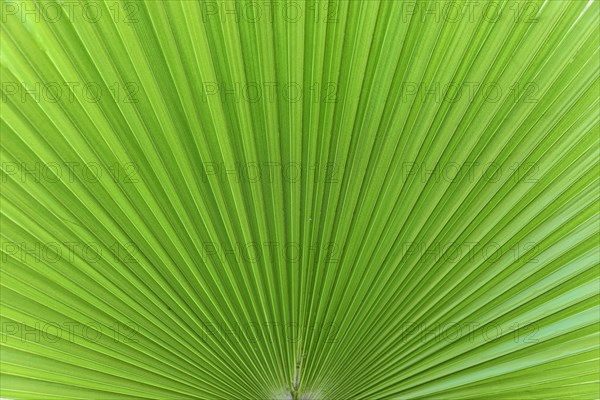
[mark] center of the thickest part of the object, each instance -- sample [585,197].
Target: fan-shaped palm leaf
[320,199]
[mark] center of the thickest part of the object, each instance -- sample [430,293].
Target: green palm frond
[316,199]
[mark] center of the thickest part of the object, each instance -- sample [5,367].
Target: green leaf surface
[300,199]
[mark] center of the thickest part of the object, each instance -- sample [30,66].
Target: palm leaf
[299,199]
